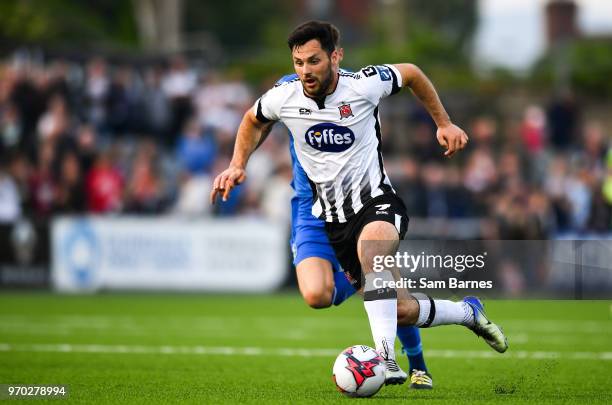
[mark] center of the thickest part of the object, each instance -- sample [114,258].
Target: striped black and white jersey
[337,139]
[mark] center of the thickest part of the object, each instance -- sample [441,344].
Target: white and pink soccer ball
[359,371]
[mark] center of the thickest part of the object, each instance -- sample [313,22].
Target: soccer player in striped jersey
[334,120]
[321,280]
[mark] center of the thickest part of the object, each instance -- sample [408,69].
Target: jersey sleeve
[377,82]
[267,107]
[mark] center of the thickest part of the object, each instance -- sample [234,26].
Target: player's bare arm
[250,134]
[267,128]
[449,135]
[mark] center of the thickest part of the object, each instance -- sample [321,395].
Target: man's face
[315,68]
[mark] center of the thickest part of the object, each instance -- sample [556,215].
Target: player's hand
[226,181]
[452,138]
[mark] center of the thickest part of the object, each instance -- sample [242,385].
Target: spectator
[579,194]
[70,190]
[600,213]
[556,186]
[156,106]
[145,192]
[424,145]
[41,183]
[607,183]
[532,179]
[96,92]
[86,146]
[593,149]
[104,186]
[20,170]
[220,104]
[532,129]
[55,122]
[482,133]
[563,120]
[57,83]
[179,84]
[434,179]
[196,149]
[480,172]
[10,200]
[30,103]
[10,128]
[194,192]
[409,186]
[276,197]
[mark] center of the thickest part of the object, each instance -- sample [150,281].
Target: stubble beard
[323,87]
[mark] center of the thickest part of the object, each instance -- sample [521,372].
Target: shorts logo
[328,137]
[345,111]
[381,209]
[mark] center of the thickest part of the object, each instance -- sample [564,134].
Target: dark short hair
[327,34]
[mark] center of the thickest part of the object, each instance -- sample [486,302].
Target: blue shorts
[308,239]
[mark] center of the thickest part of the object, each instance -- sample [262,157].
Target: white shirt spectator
[10,208]
[179,83]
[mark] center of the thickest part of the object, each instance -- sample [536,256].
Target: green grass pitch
[166,348]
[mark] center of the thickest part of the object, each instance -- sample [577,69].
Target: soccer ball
[359,371]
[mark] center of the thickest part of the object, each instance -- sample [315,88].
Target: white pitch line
[284,352]
[9,321]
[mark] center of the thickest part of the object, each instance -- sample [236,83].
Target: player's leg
[320,285]
[316,261]
[315,281]
[419,309]
[410,338]
[343,289]
[424,312]
[380,302]
[320,280]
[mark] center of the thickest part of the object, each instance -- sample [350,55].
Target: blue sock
[411,345]
[342,288]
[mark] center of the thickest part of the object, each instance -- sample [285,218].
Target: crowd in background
[109,139]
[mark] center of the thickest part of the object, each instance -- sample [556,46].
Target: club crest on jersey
[328,137]
[345,111]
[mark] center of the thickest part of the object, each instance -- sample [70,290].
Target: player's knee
[407,312]
[317,298]
[377,240]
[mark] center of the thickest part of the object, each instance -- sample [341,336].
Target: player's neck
[333,84]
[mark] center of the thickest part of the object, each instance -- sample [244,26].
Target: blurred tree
[455,20]
[160,24]
[591,64]
[437,36]
[588,64]
[53,22]
[238,25]
[252,35]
